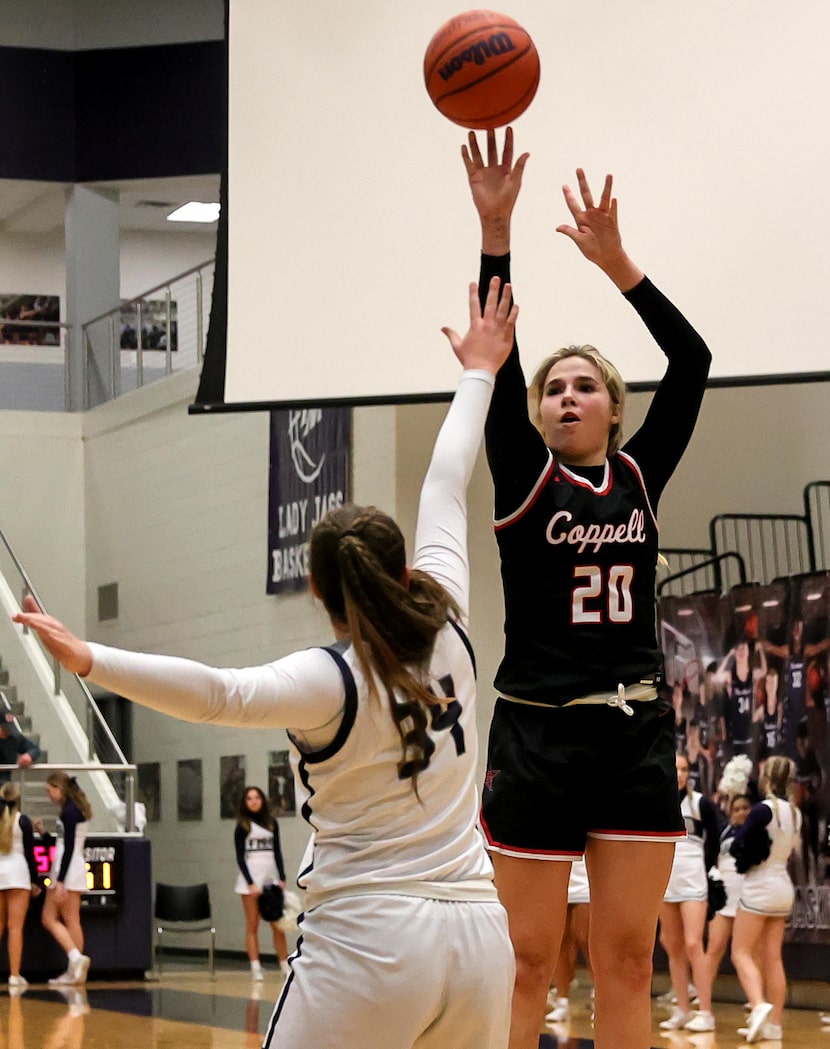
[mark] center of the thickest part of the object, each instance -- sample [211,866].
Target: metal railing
[29,775]
[699,570]
[817,514]
[149,337]
[102,746]
[771,545]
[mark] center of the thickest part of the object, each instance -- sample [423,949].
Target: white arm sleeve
[302,691]
[441,531]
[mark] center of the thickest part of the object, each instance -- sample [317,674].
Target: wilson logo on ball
[498,44]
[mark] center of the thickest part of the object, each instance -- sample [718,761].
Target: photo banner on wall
[309,474]
[748,672]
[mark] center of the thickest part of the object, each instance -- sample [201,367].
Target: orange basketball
[481,69]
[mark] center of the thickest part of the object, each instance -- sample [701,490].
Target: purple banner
[310,474]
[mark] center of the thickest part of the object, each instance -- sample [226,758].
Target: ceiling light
[195,211]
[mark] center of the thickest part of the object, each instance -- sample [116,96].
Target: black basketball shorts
[556,775]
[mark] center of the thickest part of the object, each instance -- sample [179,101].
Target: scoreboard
[104,859]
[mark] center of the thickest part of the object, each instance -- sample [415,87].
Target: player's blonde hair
[611,378]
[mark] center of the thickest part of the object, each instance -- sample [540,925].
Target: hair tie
[350,533]
[73,782]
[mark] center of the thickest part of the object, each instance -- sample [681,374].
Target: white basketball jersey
[371,832]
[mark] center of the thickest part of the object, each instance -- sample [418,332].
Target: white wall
[36,263]
[148,258]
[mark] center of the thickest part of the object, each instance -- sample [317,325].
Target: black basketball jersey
[578,564]
[739,708]
[771,730]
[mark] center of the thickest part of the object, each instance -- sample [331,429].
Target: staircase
[60,714]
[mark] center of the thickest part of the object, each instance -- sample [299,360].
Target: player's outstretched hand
[495,185]
[488,342]
[596,231]
[71,652]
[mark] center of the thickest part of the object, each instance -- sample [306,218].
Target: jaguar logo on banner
[309,474]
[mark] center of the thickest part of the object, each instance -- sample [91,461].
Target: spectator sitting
[15,748]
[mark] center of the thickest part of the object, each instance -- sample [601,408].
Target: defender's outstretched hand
[71,652]
[488,343]
[495,186]
[596,232]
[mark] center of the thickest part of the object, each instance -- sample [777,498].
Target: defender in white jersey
[403,943]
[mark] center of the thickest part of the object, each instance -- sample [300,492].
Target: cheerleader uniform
[732,881]
[768,888]
[69,865]
[18,868]
[258,856]
[696,853]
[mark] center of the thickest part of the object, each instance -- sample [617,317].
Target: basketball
[481,70]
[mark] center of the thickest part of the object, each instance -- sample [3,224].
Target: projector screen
[352,235]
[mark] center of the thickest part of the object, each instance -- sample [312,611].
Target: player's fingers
[492,151]
[507,152]
[518,170]
[29,604]
[475,152]
[453,336]
[572,202]
[584,188]
[505,302]
[491,302]
[569,231]
[605,199]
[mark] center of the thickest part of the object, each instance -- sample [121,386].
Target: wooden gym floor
[186,1010]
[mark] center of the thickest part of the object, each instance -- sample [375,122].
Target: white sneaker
[756,1020]
[257,975]
[772,1032]
[676,1021]
[78,969]
[701,1021]
[560,1013]
[285,969]
[667,998]
[63,980]
[18,981]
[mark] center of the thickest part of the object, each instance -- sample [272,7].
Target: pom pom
[736,773]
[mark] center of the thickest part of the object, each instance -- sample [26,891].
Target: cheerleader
[762,848]
[259,858]
[62,908]
[683,913]
[18,876]
[720,927]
